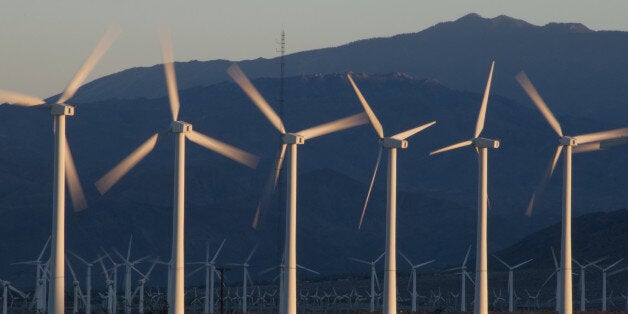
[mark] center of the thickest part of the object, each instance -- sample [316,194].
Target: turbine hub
[390,142]
[292,138]
[568,141]
[481,142]
[180,127]
[62,110]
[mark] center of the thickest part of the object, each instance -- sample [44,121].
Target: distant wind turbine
[413,278]
[583,285]
[511,283]
[464,274]
[604,276]
[210,270]
[374,279]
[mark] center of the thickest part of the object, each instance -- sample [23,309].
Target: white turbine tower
[604,276]
[481,147]
[583,268]
[246,278]
[392,143]
[88,281]
[569,144]
[210,270]
[64,168]
[290,142]
[413,278]
[374,279]
[181,130]
[511,281]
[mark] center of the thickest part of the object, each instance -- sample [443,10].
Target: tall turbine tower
[180,130]
[398,141]
[569,144]
[290,143]
[64,168]
[481,146]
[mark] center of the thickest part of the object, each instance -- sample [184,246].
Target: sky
[43,43]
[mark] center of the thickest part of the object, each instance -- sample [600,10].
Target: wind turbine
[246,278]
[481,146]
[556,272]
[583,282]
[464,274]
[88,280]
[5,294]
[129,267]
[392,143]
[569,144]
[413,275]
[181,130]
[210,269]
[604,275]
[374,279]
[40,290]
[140,287]
[64,168]
[511,281]
[115,281]
[291,141]
[110,287]
[77,289]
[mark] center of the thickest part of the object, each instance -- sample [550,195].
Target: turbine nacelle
[180,127]
[568,141]
[390,142]
[481,142]
[62,110]
[292,138]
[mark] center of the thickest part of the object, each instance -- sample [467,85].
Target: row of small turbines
[65,172]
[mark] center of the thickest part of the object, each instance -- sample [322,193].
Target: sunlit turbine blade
[521,264]
[368,194]
[359,261]
[171,78]
[307,269]
[602,136]
[450,147]
[240,78]
[482,115]
[546,177]
[89,64]
[14,98]
[619,142]
[74,184]
[114,175]
[224,149]
[406,134]
[466,257]
[374,121]
[538,101]
[406,258]
[586,148]
[334,126]
[270,186]
[218,251]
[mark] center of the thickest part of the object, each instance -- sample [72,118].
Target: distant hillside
[579,71]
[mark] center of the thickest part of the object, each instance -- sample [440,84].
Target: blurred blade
[307,269]
[521,264]
[406,134]
[14,98]
[368,194]
[89,64]
[74,183]
[380,257]
[406,258]
[270,186]
[601,136]
[499,259]
[376,124]
[614,143]
[466,257]
[334,126]
[218,251]
[224,149]
[114,175]
[538,101]
[586,148]
[479,126]
[171,79]
[359,260]
[545,180]
[250,90]
[251,254]
[450,147]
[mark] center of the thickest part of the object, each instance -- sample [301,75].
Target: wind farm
[301,222]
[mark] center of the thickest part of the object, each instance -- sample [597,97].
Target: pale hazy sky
[43,42]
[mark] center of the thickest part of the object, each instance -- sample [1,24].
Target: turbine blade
[554,257]
[128,252]
[267,270]
[548,279]
[406,134]
[619,142]
[224,149]
[424,263]
[67,262]
[601,136]
[307,269]
[380,257]
[150,270]
[406,258]
[479,126]
[466,257]
[195,271]
[587,148]
[89,64]
[377,282]
[334,126]
[368,194]
[618,271]
[44,249]
[14,98]
[374,121]
[270,186]
[544,181]
[521,264]
[538,101]
[251,254]
[240,78]
[218,251]
[613,265]
[114,175]
[359,260]
[74,183]
[171,79]
[499,259]
[450,147]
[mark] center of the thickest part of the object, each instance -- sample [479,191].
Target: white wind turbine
[583,268]
[115,264]
[181,130]
[210,270]
[604,276]
[129,267]
[64,168]
[78,294]
[556,272]
[110,287]
[246,278]
[88,281]
[374,279]
[464,274]
[291,141]
[392,143]
[40,291]
[5,294]
[140,287]
[413,278]
[511,281]
[570,145]
[481,147]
